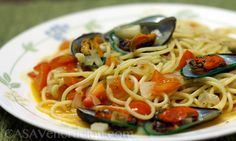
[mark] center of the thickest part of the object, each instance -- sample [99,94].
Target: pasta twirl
[147,74]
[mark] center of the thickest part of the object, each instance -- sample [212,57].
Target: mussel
[116,118]
[166,121]
[147,31]
[153,19]
[88,45]
[217,63]
[138,34]
[77,43]
[159,127]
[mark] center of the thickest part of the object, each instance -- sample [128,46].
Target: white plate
[21,53]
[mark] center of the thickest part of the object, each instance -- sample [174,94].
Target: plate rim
[104,8]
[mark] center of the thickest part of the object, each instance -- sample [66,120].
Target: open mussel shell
[153,18]
[86,45]
[87,115]
[90,117]
[76,44]
[163,30]
[204,115]
[230,60]
[158,24]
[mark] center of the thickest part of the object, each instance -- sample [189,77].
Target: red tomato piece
[177,114]
[62,61]
[164,83]
[140,107]
[72,80]
[183,61]
[88,102]
[41,78]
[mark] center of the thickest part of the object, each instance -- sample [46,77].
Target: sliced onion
[88,61]
[80,57]
[93,58]
[95,100]
[127,32]
[99,127]
[208,98]
[175,75]
[146,89]
[77,101]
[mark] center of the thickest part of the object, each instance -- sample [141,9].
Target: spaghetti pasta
[137,67]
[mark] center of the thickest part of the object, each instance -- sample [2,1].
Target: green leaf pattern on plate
[29,47]
[15,85]
[7,77]
[3,81]
[6,80]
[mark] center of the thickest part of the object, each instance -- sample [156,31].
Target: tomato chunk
[62,61]
[100,92]
[143,40]
[157,76]
[118,90]
[88,102]
[112,59]
[72,80]
[71,95]
[41,78]
[140,107]
[177,114]
[164,83]
[183,61]
[64,45]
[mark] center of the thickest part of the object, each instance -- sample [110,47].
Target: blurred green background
[19,15]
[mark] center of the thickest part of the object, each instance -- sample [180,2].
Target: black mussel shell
[76,44]
[230,60]
[157,127]
[163,30]
[90,117]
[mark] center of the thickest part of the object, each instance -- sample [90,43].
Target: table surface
[19,15]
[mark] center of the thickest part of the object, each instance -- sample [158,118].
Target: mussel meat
[128,37]
[166,121]
[209,65]
[148,31]
[174,120]
[115,117]
[88,46]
